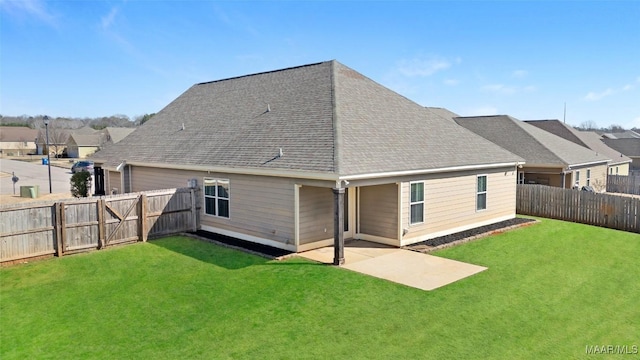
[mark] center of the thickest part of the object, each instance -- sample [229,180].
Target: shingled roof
[535,145]
[326,118]
[588,139]
[628,146]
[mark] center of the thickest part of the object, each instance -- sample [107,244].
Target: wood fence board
[605,210]
[71,226]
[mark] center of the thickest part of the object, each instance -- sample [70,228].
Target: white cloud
[627,87]
[451,82]
[422,67]
[33,8]
[519,74]
[107,20]
[594,96]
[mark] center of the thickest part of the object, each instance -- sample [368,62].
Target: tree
[58,135]
[81,184]
[588,125]
[143,119]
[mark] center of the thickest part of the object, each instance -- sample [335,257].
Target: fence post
[194,219]
[58,228]
[101,223]
[63,228]
[143,217]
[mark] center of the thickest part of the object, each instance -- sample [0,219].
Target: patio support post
[338,226]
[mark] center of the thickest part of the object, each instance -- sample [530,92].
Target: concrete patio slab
[422,271]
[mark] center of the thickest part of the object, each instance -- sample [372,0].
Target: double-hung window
[588,177]
[417,202]
[216,197]
[481,192]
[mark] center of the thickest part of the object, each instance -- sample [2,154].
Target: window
[588,177]
[610,171]
[417,202]
[577,177]
[481,194]
[216,197]
[616,170]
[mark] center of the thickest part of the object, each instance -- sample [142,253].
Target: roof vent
[182,126]
[280,153]
[268,107]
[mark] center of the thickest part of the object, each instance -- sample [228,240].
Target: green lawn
[551,290]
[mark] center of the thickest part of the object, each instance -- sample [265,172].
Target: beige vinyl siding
[620,169]
[450,203]
[379,210]
[316,214]
[598,177]
[112,182]
[259,206]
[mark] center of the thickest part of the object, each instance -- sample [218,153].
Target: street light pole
[46,126]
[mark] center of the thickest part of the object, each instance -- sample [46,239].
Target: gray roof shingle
[588,139]
[535,145]
[628,146]
[326,118]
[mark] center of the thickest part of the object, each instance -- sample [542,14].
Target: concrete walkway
[422,271]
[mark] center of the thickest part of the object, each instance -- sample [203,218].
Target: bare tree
[588,125]
[58,135]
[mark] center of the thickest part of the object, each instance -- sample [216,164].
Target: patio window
[216,197]
[417,202]
[481,192]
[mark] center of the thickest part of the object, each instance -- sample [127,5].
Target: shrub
[81,184]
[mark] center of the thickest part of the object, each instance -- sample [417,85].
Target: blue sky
[525,59]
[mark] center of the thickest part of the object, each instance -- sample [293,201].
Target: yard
[551,290]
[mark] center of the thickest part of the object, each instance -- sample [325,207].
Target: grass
[551,290]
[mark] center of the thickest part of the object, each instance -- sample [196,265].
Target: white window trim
[411,203]
[228,198]
[485,192]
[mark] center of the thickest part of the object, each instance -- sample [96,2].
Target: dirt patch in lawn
[469,235]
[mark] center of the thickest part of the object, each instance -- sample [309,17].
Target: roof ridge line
[263,72]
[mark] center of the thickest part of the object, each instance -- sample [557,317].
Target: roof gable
[535,145]
[558,128]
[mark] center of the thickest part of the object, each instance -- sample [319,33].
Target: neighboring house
[629,147]
[16,140]
[628,134]
[550,159]
[619,164]
[113,135]
[58,138]
[287,156]
[81,146]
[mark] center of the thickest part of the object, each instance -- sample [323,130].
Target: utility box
[31,191]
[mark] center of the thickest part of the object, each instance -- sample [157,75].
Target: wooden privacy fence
[74,225]
[612,211]
[624,184]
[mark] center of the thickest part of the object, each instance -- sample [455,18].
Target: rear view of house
[305,157]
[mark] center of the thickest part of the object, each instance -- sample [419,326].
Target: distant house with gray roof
[286,157]
[629,147]
[17,140]
[619,164]
[550,159]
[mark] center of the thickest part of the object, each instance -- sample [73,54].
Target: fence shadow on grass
[208,252]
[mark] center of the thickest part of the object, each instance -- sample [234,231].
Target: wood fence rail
[69,226]
[612,211]
[624,184]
